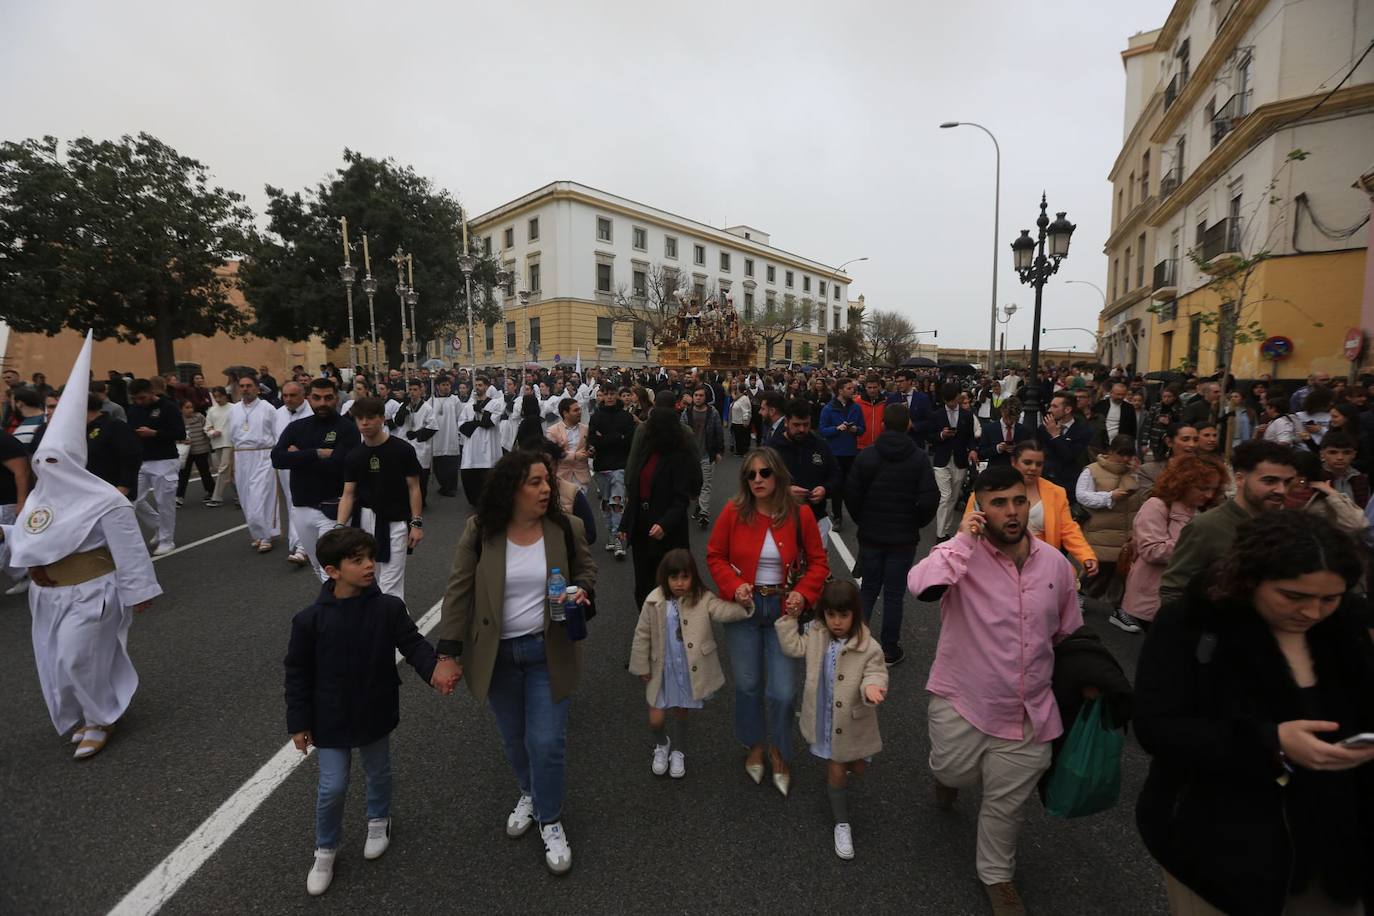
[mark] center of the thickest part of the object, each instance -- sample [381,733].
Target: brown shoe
[945,797]
[1004,899]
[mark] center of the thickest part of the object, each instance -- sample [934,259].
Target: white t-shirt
[769,570]
[526,588]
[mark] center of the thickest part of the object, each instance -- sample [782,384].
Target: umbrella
[1168,375]
[240,371]
[919,362]
[434,364]
[957,368]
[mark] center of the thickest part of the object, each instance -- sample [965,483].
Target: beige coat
[473,606]
[860,664]
[651,638]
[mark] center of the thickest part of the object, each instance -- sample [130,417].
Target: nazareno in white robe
[81,632]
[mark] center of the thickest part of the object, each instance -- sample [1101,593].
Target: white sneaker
[610,545]
[844,843]
[163,549]
[181,501]
[378,837]
[557,852]
[18,588]
[677,765]
[619,551]
[518,824]
[660,765]
[321,873]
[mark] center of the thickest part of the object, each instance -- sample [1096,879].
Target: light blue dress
[825,701]
[675,689]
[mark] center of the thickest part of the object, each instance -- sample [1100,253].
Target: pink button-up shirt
[998,629]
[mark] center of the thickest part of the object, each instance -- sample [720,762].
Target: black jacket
[1211,688]
[1082,660]
[666,502]
[955,448]
[611,430]
[342,685]
[811,465]
[891,491]
[165,417]
[992,437]
[113,453]
[714,445]
[315,480]
[1066,455]
[1127,424]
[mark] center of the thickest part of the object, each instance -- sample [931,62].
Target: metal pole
[996,230]
[1041,275]
[370,287]
[347,273]
[400,260]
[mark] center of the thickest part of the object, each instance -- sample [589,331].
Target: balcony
[1221,244]
[1227,116]
[1166,280]
[1169,181]
[1171,91]
[1168,311]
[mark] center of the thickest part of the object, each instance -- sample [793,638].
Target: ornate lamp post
[399,258]
[466,263]
[370,288]
[413,297]
[347,273]
[1035,265]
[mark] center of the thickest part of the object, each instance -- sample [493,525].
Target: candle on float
[343,222]
[410,271]
[367,260]
[464,218]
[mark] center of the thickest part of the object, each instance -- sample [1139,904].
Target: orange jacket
[1061,531]
[873,420]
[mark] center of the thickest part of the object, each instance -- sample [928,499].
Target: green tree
[126,237]
[291,275]
[847,346]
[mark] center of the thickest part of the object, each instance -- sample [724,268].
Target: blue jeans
[533,727]
[755,652]
[885,570]
[612,487]
[335,763]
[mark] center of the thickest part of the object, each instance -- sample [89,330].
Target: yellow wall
[1291,296]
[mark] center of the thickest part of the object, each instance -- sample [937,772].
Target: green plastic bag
[1087,775]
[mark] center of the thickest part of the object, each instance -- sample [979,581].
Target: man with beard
[1264,471]
[815,472]
[311,453]
[293,408]
[992,713]
[479,424]
[252,427]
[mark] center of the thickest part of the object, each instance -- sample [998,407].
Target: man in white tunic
[447,444]
[293,407]
[252,433]
[415,422]
[480,426]
[79,539]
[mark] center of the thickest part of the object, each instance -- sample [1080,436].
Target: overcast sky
[816,122]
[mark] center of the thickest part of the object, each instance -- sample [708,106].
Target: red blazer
[732,553]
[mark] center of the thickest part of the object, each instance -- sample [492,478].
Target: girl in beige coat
[845,679]
[674,654]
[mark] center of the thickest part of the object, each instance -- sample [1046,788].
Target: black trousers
[837,498]
[202,463]
[474,481]
[741,434]
[445,469]
[424,486]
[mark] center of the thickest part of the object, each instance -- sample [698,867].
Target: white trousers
[257,486]
[708,468]
[80,645]
[310,525]
[391,575]
[222,462]
[157,498]
[293,541]
[949,480]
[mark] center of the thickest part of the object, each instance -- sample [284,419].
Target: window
[1145,175]
[770,302]
[787,349]
[641,335]
[486,245]
[835,319]
[670,247]
[820,320]
[836,289]
[1242,82]
[806,284]
[534,332]
[509,239]
[1180,151]
[788,283]
[1182,55]
[641,283]
[490,338]
[725,262]
[1194,338]
[1116,275]
[1120,205]
[1140,261]
[699,293]
[822,289]
[640,238]
[1209,115]
[772,274]
[603,278]
[699,255]
[605,327]
[510,335]
[534,278]
[1130,191]
[533,229]
[603,229]
[748,306]
[748,267]
[1201,231]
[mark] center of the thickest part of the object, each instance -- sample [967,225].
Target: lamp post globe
[1058,234]
[1023,251]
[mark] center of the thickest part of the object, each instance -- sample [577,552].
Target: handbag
[1087,776]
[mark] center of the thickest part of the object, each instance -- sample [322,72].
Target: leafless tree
[654,304]
[777,321]
[888,338]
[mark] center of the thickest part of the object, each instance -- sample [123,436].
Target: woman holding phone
[1249,692]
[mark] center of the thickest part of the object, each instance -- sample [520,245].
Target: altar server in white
[252,433]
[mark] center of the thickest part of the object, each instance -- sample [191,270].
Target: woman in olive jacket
[1245,688]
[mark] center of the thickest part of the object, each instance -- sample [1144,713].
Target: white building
[577,250]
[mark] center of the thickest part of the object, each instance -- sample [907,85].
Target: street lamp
[847,263]
[996,230]
[1008,310]
[466,263]
[1100,354]
[1036,261]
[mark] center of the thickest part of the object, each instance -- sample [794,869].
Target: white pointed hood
[68,500]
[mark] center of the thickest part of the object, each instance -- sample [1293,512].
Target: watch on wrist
[417,522]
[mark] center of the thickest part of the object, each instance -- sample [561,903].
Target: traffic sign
[457,344]
[1354,344]
[1276,348]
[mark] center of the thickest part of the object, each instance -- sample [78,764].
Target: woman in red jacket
[761,541]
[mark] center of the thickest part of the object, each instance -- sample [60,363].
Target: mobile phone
[977,506]
[1362,740]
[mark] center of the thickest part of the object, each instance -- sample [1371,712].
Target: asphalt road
[76,837]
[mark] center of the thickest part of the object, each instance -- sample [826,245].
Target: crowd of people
[1229,523]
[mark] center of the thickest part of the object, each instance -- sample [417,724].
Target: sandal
[93,741]
[78,734]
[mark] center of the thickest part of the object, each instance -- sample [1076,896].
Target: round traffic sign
[1276,348]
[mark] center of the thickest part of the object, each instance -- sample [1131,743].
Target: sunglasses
[759,473]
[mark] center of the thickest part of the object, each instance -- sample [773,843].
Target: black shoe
[704,520]
[839,524]
[893,656]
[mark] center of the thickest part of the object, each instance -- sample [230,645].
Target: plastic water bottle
[557,586]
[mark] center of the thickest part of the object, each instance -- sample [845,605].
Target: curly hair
[1182,474]
[1283,545]
[497,506]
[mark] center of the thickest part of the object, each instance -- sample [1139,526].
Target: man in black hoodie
[610,433]
[815,472]
[891,494]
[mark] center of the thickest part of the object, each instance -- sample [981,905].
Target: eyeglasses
[759,473]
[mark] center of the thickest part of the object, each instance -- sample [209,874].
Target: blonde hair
[784,503]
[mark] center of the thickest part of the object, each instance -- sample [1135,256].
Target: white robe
[81,632]
[419,418]
[252,432]
[447,441]
[483,448]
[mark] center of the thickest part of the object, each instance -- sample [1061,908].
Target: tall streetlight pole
[996,230]
[1035,267]
[1104,305]
[846,303]
[1008,310]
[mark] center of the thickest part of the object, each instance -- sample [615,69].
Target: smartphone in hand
[1362,740]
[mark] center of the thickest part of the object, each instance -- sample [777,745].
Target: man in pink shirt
[1005,599]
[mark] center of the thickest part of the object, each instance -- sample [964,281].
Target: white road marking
[844,553]
[162,883]
[205,540]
